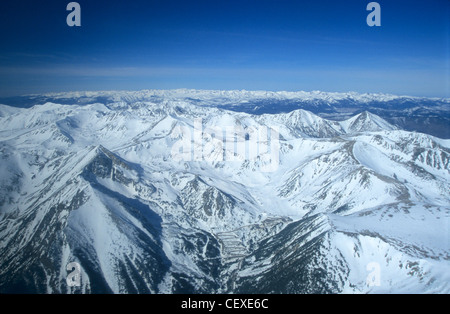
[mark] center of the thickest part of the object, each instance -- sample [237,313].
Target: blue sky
[254,45]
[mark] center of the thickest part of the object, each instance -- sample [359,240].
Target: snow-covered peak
[366,122]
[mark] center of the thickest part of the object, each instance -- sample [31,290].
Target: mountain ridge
[429,115]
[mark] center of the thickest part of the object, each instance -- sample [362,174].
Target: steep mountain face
[166,196]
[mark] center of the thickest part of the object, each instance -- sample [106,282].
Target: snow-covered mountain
[154,192]
[417,114]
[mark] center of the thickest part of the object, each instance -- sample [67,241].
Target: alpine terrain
[203,192]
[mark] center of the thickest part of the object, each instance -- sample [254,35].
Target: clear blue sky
[246,44]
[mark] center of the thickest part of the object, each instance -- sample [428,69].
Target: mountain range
[416,114]
[157,192]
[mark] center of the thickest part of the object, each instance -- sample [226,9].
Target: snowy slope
[148,193]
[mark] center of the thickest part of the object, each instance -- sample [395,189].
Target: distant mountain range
[160,192]
[417,114]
